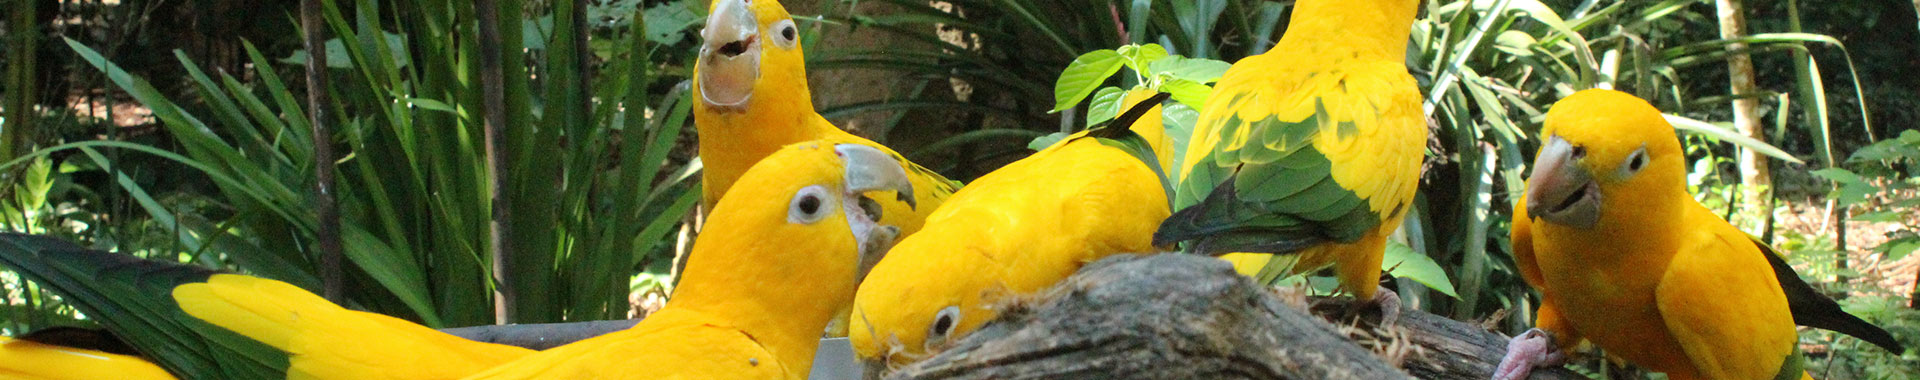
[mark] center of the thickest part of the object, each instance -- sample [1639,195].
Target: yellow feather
[1348,59]
[325,341]
[25,360]
[1658,280]
[1009,234]
[755,295]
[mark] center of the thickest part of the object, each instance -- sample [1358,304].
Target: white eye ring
[1635,162]
[943,323]
[809,205]
[784,34]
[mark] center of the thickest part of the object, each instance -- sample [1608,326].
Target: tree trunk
[494,115]
[1172,316]
[326,212]
[21,79]
[1757,182]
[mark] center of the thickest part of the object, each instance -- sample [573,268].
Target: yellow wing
[325,341]
[670,344]
[1721,302]
[25,360]
[1011,233]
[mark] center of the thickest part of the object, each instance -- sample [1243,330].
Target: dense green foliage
[600,161]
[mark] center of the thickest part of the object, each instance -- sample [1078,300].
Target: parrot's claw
[1534,348]
[1389,304]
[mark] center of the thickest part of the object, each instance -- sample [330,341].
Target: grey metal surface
[834,361]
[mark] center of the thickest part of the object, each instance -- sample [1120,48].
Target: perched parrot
[751,86]
[27,359]
[1624,258]
[1313,148]
[766,276]
[1014,232]
[216,325]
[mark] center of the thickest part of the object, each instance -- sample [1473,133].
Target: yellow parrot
[763,281]
[22,359]
[1624,258]
[1313,148]
[1014,232]
[752,98]
[324,341]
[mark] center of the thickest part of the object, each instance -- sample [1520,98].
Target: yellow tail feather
[24,360]
[327,341]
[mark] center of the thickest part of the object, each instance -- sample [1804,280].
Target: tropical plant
[589,162]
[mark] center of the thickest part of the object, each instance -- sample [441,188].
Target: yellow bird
[28,360]
[1313,148]
[1625,258]
[763,281]
[752,98]
[325,341]
[1011,233]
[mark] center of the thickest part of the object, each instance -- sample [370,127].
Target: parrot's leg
[1389,304]
[1534,348]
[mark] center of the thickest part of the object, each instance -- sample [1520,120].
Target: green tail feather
[1119,133]
[133,298]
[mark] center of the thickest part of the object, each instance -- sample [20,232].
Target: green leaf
[667,23]
[1199,70]
[338,58]
[1048,140]
[1897,249]
[1401,261]
[1852,189]
[1179,119]
[1083,76]
[1187,92]
[1139,57]
[1105,105]
[1729,135]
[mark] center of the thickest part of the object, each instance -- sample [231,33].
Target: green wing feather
[133,298]
[1272,194]
[1119,133]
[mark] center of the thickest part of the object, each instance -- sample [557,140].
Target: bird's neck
[732,141]
[1345,29]
[768,293]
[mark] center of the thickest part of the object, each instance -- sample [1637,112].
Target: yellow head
[749,48]
[916,301]
[794,220]
[1609,160]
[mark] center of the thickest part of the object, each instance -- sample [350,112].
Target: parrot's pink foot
[1534,348]
[1389,304]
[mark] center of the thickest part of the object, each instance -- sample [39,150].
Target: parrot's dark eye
[809,205]
[943,323]
[1579,152]
[787,36]
[1635,162]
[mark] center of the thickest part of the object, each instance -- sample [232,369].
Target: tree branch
[1182,316]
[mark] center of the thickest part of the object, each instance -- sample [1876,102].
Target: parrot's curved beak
[871,170]
[729,56]
[1561,191]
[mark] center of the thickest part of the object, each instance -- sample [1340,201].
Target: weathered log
[540,336]
[1438,347]
[1155,317]
[1191,317]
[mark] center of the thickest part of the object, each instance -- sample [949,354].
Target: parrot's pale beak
[729,56]
[1559,190]
[871,170]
